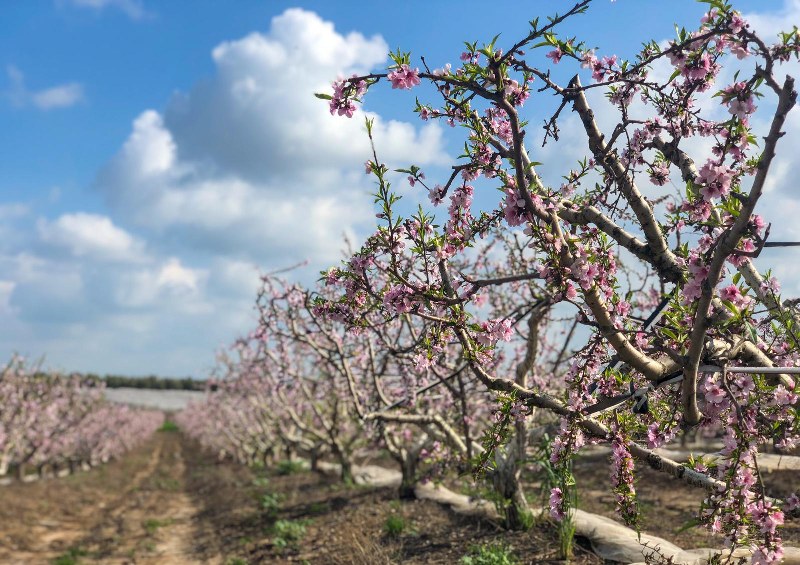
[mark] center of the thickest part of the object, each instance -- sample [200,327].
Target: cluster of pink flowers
[495,330]
[659,173]
[557,511]
[404,77]
[622,479]
[715,180]
[732,294]
[600,67]
[514,206]
[555,55]
[739,99]
[341,103]
[399,299]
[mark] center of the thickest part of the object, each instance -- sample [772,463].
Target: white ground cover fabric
[610,539]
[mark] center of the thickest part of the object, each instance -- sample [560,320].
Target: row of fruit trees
[51,422]
[619,306]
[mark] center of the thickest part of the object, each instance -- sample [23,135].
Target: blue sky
[156,156]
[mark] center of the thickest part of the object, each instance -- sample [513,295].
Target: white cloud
[59,96]
[90,235]
[134,9]
[13,210]
[249,163]
[171,281]
[62,96]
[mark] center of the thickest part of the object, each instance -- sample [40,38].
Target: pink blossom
[557,504]
[741,108]
[495,330]
[412,180]
[571,293]
[436,195]
[399,299]
[737,23]
[404,78]
[697,68]
[716,180]
[772,285]
[714,393]
[765,556]
[732,293]
[709,16]
[741,51]
[555,55]
[659,174]
[422,362]
[588,60]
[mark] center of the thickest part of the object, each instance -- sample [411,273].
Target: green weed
[287,467]
[70,557]
[168,426]
[489,554]
[152,525]
[287,533]
[270,503]
[394,525]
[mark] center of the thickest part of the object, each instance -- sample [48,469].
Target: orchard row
[610,297]
[52,422]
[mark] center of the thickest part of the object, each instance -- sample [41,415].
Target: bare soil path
[146,508]
[168,502]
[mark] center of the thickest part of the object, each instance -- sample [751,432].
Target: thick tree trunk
[347,470]
[314,456]
[408,467]
[514,506]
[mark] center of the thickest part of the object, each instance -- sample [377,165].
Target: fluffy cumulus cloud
[249,163]
[246,172]
[90,235]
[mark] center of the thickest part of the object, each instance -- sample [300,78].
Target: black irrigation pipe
[782,244]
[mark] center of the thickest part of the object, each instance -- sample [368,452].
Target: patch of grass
[394,525]
[287,467]
[489,554]
[261,482]
[236,561]
[152,525]
[167,483]
[70,557]
[288,533]
[168,426]
[270,503]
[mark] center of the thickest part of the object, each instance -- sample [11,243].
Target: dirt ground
[667,506]
[169,502]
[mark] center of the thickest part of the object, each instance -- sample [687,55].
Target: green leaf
[752,331]
[731,306]
[688,525]
[322,96]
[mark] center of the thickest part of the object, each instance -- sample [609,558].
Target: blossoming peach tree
[52,422]
[656,357]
